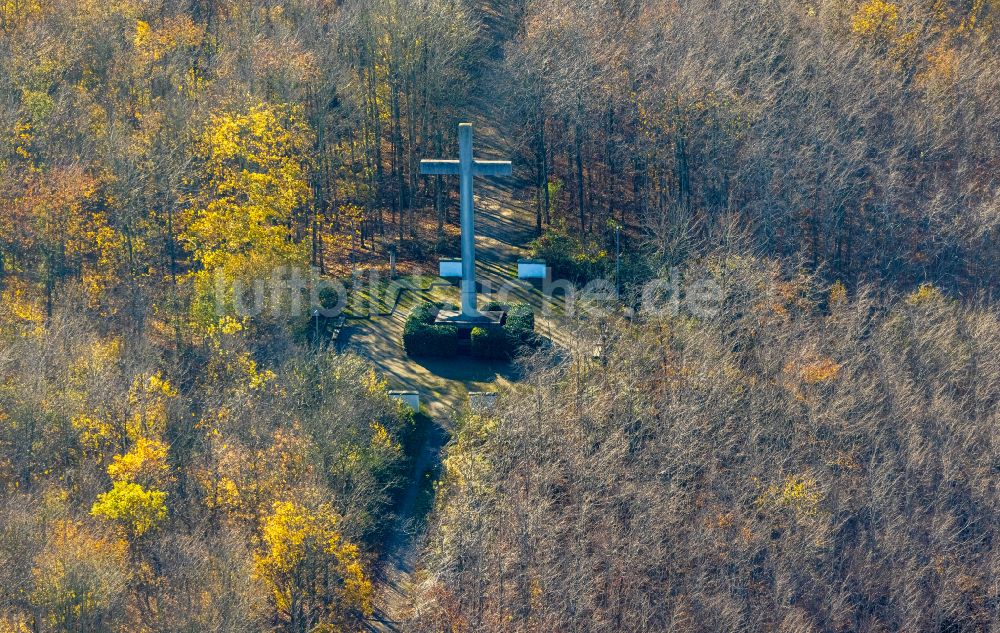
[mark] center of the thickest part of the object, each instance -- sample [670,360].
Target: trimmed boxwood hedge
[422,338]
[520,324]
[427,312]
[504,343]
[490,342]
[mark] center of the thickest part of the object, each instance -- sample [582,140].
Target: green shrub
[520,324]
[490,342]
[426,312]
[505,342]
[422,338]
[569,257]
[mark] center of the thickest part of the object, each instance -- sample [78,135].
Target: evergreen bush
[422,338]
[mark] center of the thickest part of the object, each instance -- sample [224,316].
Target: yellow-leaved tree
[314,575]
[255,177]
[136,503]
[132,508]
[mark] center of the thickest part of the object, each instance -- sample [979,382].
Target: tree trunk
[581,203]
[397,160]
[542,200]
[610,158]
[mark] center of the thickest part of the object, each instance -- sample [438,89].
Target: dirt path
[402,548]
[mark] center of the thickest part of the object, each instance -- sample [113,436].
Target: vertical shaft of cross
[467,173]
[467,168]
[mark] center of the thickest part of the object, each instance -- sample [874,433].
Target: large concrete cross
[467,167]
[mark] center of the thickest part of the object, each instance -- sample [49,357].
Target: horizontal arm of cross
[493,168]
[453,167]
[440,167]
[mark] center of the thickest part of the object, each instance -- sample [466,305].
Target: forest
[819,454]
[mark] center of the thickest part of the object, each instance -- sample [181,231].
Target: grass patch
[366,299]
